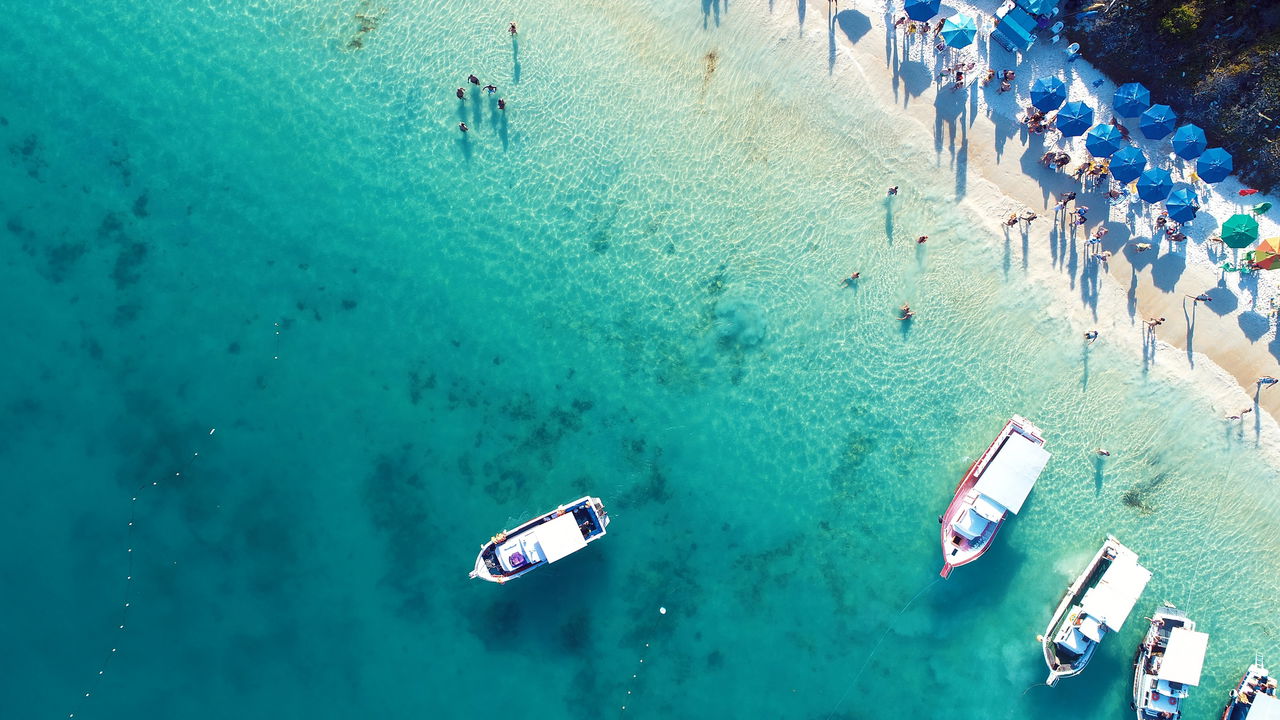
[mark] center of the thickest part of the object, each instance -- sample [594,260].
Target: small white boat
[1255,697]
[997,484]
[541,541]
[1168,662]
[1097,603]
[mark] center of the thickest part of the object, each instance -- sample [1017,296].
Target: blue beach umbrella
[1214,165]
[1127,164]
[1189,141]
[1131,99]
[1048,93]
[1102,141]
[1157,121]
[959,31]
[1154,185]
[922,9]
[1073,119]
[1182,205]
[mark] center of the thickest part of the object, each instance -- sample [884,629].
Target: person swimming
[907,312]
[462,126]
[502,104]
[473,79]
[893,190]
[491,89]
[461,93]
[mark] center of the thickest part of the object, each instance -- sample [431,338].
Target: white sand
[1223,347]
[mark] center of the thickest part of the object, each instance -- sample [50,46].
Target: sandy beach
[1224,345]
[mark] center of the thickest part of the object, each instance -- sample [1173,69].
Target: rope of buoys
[127,600]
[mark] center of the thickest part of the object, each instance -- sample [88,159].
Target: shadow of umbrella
[853,24]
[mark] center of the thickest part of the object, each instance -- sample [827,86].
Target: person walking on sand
[907,312]
[1091,336]
[1267,381]
[1028,217]
[1200,298]
[1153,323]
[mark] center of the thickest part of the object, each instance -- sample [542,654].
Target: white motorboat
[1097,603]
[541,541]
[1167,663]
[1255,697]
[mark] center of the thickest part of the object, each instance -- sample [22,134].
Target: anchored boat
[541,541]
[1167,663]
[1255,697]
[1097,603]
[997,484]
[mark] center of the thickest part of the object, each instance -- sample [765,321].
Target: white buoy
[662,611]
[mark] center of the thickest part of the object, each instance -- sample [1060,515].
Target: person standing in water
[907,312]
[848,282]
[893,190]
[462,126]
[473,79]
[502,104]
[1091,336]
[511,28]
[462,94]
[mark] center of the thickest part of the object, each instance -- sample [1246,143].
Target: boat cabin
[1105,606]
[1003,487]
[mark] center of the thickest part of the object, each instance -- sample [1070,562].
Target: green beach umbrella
[1239,231]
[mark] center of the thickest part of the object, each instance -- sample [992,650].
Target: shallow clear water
[626,284]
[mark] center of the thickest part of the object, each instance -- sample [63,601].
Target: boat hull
[1153,643]
[1075,592]
[587,510]
[957,550]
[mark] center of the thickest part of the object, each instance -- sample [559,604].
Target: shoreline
[1201,344]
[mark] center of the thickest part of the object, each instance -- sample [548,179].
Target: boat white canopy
[558,537]
[1009,477]
[1184,656]
[1265,707]
[1113,598]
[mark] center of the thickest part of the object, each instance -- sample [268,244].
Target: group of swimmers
[906,312]
[461,93]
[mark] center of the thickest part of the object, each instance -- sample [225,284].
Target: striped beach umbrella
[1154,185]
[1157,122]
[1131,99]
[1214,165]
[959,30]
[1073,119]
[1048,93]
[1189,141]
[1239,230]
[1102,140]
[1127,164]
[922,9]
[1182,205]
[1267,255]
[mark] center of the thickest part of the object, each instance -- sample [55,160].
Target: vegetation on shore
[1215,62]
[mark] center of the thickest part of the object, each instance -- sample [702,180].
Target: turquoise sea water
[226,216]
